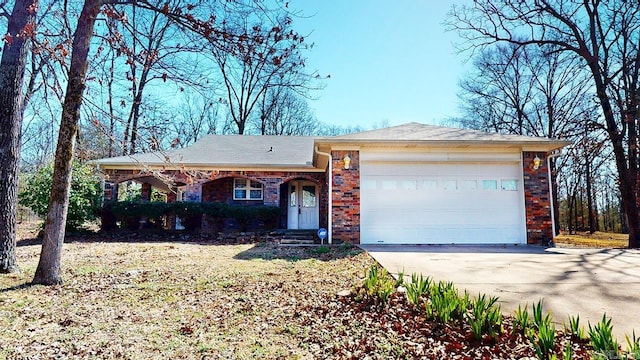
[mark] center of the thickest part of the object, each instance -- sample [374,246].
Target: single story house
[406,184]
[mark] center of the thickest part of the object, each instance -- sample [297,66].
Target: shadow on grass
[264,251]
[17,287]
[144,237]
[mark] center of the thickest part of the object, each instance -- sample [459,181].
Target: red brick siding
[346,198]
[537,199]
[218,186]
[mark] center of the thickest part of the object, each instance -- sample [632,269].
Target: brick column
[537,199]
[346,198]
[110,191]
[145,192]
[271,191]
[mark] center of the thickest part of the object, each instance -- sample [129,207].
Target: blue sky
[389,61]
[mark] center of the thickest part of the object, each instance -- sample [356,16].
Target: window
[469,184]
[430,184]
[509,185]
[245,189]
[489,184]
[293,197]
[449,185]
[409,184]
[369,185]
[308,196]
[389,185]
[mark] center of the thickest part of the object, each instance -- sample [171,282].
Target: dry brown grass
[595,240]
[170,301]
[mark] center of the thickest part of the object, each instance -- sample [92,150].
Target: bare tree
[605,36]
[527,91]
[270,58]
[284,112]
[48,270]
[20,29]
[198,117]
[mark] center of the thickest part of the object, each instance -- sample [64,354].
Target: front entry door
[303,205]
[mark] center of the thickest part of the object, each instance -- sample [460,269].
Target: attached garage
[424,184]
[442,200]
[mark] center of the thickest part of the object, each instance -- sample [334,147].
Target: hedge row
[129,213]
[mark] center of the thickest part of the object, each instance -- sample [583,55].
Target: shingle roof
[230,151]
[270,151]
[416,132]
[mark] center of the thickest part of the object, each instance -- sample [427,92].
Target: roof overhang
[356,144]
[134,165]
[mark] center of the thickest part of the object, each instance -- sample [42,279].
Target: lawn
[171,300]
[595,240]
[199,300]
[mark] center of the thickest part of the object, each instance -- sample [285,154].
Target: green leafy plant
[84,198]
[484,317]
[417,288]
[575,329]
[568,352]
[542,333]
[445,303]
[322,250]
[539,318]
[544,340]
[602,341]
[400,279]
[376,286]
[633,346]
[522,320]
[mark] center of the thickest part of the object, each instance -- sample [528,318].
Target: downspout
[330,198]
[553,155]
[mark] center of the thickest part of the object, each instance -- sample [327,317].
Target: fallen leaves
[192,300]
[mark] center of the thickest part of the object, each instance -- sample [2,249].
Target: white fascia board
[209,167]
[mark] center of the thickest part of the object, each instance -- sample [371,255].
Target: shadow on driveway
[588,282]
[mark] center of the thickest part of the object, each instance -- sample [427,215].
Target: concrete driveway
[588,282]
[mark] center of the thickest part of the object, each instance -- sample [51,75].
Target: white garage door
[441,203]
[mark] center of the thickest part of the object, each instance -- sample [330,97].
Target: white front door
[303,205]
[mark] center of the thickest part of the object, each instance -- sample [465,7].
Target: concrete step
[288,241]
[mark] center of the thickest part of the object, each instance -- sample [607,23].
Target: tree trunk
[12,73]
[48,271]
[590,211]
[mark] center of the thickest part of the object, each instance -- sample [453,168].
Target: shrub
[129,213]
[84,198]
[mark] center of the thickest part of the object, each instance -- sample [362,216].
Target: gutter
[553,155]
[330,198]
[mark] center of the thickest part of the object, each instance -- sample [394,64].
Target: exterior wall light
[347,162]
[536,163]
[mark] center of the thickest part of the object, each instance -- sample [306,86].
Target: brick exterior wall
[218,186]
[346,198]
[537,199]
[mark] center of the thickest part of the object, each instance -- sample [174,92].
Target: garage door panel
[441,203]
